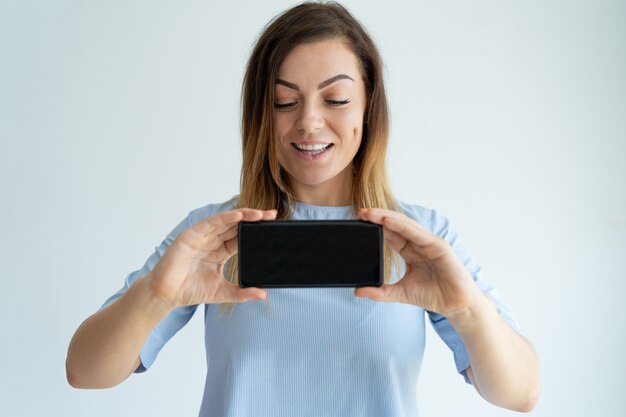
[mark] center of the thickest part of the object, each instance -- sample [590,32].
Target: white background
[117,118]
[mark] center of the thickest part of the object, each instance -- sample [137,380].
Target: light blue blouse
[314,351]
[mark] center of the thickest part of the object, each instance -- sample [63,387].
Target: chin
[313,178]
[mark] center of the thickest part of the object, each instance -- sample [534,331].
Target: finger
[368,215]
[233,230]
[223,221]
[222,252]
[408,250]
[217,224]
[232,246]
[211,245]
[376,215]
[395,240]
[385,293]
[228,234]
[409,229]
[401,232]
[250,215]
[388,217]
[229,237]
[270,214]
[231,293]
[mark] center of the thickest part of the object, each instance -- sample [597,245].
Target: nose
[311,119]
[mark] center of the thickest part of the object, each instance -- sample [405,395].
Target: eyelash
[337,102]
[287,106]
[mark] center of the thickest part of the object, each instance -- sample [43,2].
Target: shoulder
[429,218]
[439,225]
[203,212]
[198,215]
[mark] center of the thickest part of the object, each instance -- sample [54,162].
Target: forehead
[319,59]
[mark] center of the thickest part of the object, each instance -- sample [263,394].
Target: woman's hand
[435,278]
[191,271]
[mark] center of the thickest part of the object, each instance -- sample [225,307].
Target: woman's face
[318,114]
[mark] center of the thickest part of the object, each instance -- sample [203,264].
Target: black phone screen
[310,253]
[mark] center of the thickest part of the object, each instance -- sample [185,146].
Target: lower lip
[314,157]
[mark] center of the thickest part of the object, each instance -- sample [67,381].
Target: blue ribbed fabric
[313,351]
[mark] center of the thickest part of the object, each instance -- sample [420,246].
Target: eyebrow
[321,85]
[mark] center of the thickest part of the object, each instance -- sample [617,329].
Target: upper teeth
[314,147]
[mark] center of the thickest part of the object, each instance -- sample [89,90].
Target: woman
[315,129]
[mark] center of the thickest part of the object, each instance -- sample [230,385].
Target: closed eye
[289,106]
[337,103]
[284,106]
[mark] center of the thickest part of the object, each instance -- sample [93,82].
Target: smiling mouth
[314,149]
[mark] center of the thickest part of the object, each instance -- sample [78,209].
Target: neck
[334,192]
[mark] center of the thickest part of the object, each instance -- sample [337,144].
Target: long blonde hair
[264,183]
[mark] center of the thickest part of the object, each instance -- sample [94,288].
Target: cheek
[350,124]
[281,126]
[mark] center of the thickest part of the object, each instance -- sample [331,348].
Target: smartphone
[310,253]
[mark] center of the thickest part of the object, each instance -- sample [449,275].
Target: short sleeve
[440,226]
[170,324]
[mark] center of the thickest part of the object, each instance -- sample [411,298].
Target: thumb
[385,293]
[233,293]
